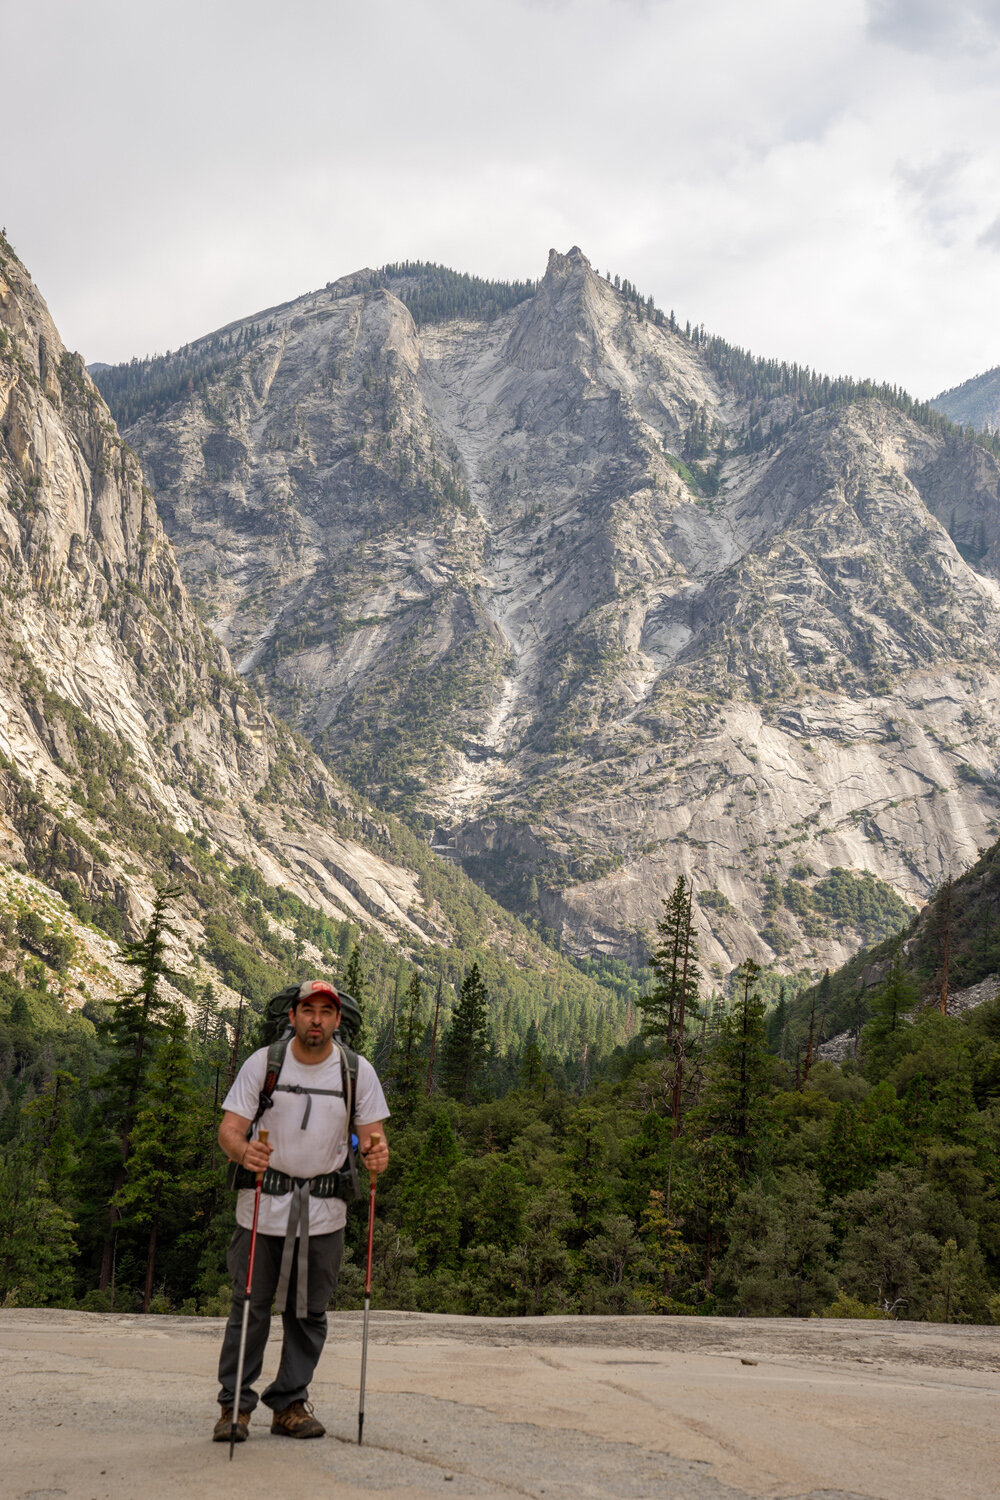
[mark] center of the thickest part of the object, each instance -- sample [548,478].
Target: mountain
[131,751]
[952,945]
[596,600]
[975,402]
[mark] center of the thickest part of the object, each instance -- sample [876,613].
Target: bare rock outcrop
[605,600]
[120,713]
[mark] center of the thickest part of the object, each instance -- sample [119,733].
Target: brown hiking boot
[220,1432]
[298,1421]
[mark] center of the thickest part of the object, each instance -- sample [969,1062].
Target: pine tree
[162,1167]
[204,1023]
[532,1062]
[466,1046]
[407,1066]
[430,1207]
[49,1132]
[673,1001]
[138,1018]
[884,1039]
[434,1033]
[353,984]
[733,1114]
[37,1247]
[354,976]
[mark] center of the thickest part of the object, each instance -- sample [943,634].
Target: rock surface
[687,1408]
[107,675]
[604,602]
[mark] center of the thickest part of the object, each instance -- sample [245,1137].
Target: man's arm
[254,1155]
[376,1158]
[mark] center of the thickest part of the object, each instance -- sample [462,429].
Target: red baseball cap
[314,989]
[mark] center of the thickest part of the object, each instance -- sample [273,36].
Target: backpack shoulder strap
[275,1059]
[349,1071]
[349,1076]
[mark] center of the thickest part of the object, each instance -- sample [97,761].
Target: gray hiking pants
[303,1339]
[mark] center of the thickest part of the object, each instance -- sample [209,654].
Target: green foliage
[846,1306]
[674,963]
[163,1165]
[147,387]
[862,902]
[435,294]
[408,1066]
[37,1248]
[731,1121]
[795,390]
[465,1046]
[530,1183]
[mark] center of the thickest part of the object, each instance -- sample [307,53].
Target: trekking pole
[246,1311]
[374,1141]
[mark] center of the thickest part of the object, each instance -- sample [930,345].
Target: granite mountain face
[598,599]
[129,746]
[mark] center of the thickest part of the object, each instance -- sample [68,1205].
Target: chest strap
[299,1088]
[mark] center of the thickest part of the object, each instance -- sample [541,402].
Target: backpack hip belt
[339,1184]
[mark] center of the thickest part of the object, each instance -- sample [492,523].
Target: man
[300,1239]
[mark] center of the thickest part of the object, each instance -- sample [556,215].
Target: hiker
[309,1174]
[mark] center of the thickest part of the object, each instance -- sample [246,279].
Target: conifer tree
[466,1046]
[532,1062]
[733,1115]
[37,1247]
[895,997]
[434,1033]
[204,1023]
[673,1001]
[407,1067]
[353,984]
[162,1167]
[431,1212]
[138,1018]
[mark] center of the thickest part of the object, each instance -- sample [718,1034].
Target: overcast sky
[814,179]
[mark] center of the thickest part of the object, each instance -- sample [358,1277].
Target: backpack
[276,1031]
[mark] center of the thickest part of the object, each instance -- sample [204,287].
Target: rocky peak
[610,603]
[569,320]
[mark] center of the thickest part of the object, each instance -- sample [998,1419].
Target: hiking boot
[298,1421]
[220,1432]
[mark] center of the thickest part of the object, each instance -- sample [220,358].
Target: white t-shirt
[320,1147]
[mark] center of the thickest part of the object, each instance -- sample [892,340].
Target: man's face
[315,1020]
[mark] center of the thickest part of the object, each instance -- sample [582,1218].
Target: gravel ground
[108,1407]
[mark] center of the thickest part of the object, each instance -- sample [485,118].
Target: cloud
[806,180]
[934,27]
[936,187]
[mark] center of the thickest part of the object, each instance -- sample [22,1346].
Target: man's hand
[256,1156]
[374,1151]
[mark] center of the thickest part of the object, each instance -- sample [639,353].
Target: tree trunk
[434,1032]
[147,1295]
[681,1018]
[946,958]
[114,1218]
